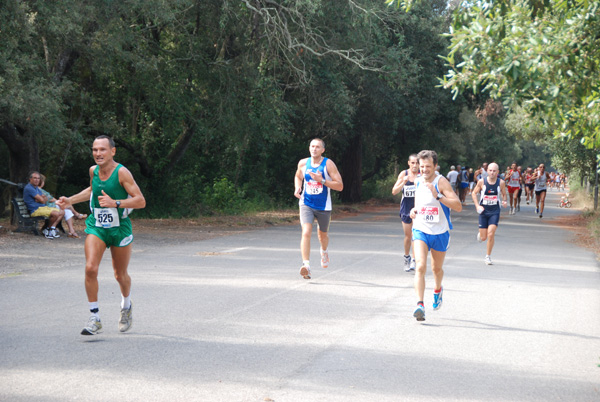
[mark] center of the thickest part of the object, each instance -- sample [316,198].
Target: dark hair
[32,173]
[111,142]
[413,156]
[426,154]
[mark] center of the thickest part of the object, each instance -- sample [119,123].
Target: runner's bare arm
[136,201]
[82,196]
[336,179]
[475,193]
[450,198]
[503,191]
[298,178]
[402,179]
[336,182]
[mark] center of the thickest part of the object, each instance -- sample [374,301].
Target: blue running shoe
[437,299]
[419,313]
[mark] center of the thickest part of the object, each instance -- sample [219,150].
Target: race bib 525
[106,217]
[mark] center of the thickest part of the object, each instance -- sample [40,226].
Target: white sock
[94,306]
[126,301]
[306,263]
[323,251]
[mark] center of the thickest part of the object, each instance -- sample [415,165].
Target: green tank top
[111,187]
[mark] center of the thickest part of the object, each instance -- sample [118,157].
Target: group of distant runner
[427,199]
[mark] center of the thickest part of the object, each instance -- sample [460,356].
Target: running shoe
[413,265]
[537,210]
[324,259]
[126,319]
[512,211]
[437,299]
[419,313]
[488,260]
[540,216]
[48,234]
[479,237]
[93,326]
[518,208]
[54,233]
[407,261]
[305,272]
[527,202]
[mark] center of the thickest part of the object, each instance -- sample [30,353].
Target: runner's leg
[421,250]
[323,239]
[94,250]
[491,236]
[120,260]
[542,201]
[407,237]
[305,241]
[437,261]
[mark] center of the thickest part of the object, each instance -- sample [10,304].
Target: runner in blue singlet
[315,178]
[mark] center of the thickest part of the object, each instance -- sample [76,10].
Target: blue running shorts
[487,219]
[439,242]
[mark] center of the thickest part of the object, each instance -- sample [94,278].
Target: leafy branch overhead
[540,55]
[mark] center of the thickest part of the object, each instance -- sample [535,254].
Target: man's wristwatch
[118,204]
[324,180]
[439,196]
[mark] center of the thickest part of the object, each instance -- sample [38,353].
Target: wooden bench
[26,223]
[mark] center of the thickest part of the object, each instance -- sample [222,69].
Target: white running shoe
[93,326]
[488,260]
[413,265]
[479,237]
[54,233]
[407,261]
[305,271]
[126,319]
[324,259]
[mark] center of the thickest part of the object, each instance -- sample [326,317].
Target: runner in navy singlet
[488,207]
[406,184]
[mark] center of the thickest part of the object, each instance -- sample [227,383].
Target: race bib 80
[429,214]
[106,217]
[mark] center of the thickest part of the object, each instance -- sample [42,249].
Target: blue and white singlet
[315,195]
[432,217]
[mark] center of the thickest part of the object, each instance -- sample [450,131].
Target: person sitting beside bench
[69,212]
[36,204]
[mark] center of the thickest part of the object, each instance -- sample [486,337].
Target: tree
[542,56]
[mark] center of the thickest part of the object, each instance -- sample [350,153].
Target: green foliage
[541,56]
[381,189]
[212,103]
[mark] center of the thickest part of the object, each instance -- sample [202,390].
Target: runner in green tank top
[112,194]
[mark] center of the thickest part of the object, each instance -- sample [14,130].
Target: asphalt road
[230,319]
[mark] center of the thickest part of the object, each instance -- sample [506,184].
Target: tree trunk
[24,157]
[351,168]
